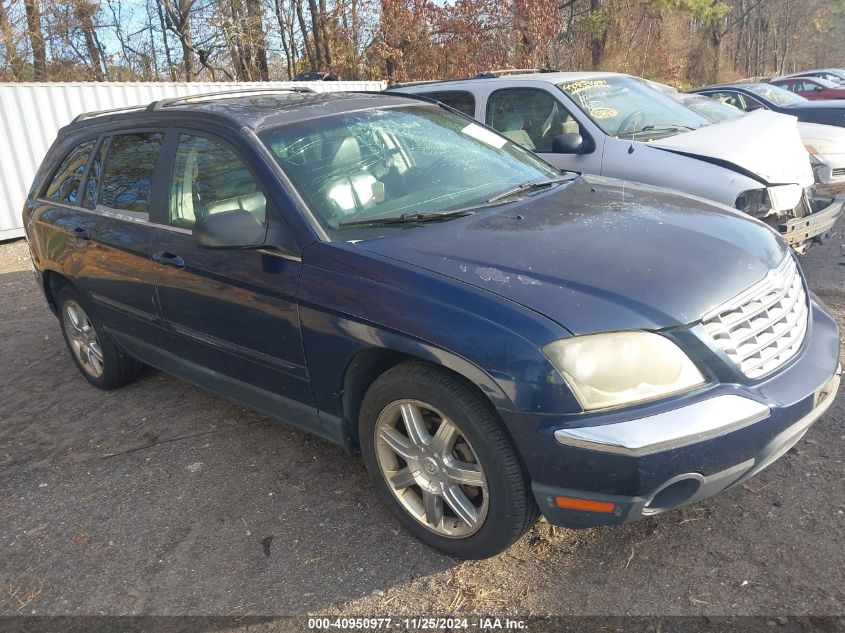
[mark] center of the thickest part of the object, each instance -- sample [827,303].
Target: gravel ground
[162,499]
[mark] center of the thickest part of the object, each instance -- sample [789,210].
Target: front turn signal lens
[590,505]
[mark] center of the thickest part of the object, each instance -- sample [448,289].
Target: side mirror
[817,88]
[230,229]
[571,143]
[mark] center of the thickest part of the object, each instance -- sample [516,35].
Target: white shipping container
[31,115]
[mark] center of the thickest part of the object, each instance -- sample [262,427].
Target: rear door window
[65,184]
[127,179]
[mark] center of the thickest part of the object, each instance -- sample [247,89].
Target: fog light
[571,503]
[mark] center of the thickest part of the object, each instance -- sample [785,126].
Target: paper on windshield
[484,135]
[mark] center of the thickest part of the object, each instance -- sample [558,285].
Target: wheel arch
[368,364]
[52,283]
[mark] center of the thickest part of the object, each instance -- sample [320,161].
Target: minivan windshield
[775,94]
[624,106]
[401,163]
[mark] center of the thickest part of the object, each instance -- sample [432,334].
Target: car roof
[804,73]
[255,110]
[546,76]
[739,85]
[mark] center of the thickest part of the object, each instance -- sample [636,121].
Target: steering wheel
[633,120]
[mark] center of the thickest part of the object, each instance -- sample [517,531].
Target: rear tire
[440,459]
[102,363]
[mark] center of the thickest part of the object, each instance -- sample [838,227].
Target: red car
[811,87]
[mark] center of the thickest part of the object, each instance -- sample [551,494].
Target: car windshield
[623,106]
[776,95]
[827,83]
[713,109]
[398,162]
[831,75]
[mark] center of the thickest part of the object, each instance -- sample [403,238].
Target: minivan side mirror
[230,229]
[570,143]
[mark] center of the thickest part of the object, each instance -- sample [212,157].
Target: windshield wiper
[412,218]
[660,128]
[525,187]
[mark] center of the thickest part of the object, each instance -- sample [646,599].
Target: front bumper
[686,487]
[651,458]
[815,222]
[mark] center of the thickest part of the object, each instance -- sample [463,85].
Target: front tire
[442,462]
[102,363]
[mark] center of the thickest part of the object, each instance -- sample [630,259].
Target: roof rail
[406,84]
[163,103]
[492,74]
[95,113]
[157,105]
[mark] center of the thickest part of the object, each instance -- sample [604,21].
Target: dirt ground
[162,499]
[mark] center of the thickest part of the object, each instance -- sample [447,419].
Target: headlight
[608,370]
[821,146]
[754,202]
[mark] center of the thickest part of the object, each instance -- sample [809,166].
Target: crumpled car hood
[764,143]
[598,254]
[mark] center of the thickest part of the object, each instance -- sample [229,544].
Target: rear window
[461,100]
[65,184]
[126,182]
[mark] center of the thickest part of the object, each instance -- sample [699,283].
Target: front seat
[511,124]
[352,189]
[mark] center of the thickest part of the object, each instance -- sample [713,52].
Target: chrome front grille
[839,171]
[763,327]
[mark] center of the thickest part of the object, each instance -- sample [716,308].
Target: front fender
[351,300]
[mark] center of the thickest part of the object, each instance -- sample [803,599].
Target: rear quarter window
[64,187]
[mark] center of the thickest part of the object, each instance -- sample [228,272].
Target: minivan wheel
[97,357]
[443,463]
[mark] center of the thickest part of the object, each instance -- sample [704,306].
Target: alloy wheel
[83,339]
[431,468]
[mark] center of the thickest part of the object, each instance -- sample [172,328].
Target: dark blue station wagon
[495,337]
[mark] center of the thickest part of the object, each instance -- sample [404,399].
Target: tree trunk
[282,20]
[309,52]
[324,32]
[84,13]
[317,32]
[598,39]
[716,47]
[171,69]
[258,40]
[13,60]
[36,39]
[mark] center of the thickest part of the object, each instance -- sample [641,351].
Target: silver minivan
[615,125]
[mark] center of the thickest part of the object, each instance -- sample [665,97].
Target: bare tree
[177,20]
[14,62]
[85,12]
[36,39]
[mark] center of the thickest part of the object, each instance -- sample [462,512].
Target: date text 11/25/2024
[418,624]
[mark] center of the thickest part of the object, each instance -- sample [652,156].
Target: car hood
[764,143]
[818,131]
[598,254]
[818,104]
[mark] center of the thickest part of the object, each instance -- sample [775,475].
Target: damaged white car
[614,125]
[825,143]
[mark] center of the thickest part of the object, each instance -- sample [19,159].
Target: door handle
[81,234]
[168,259]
